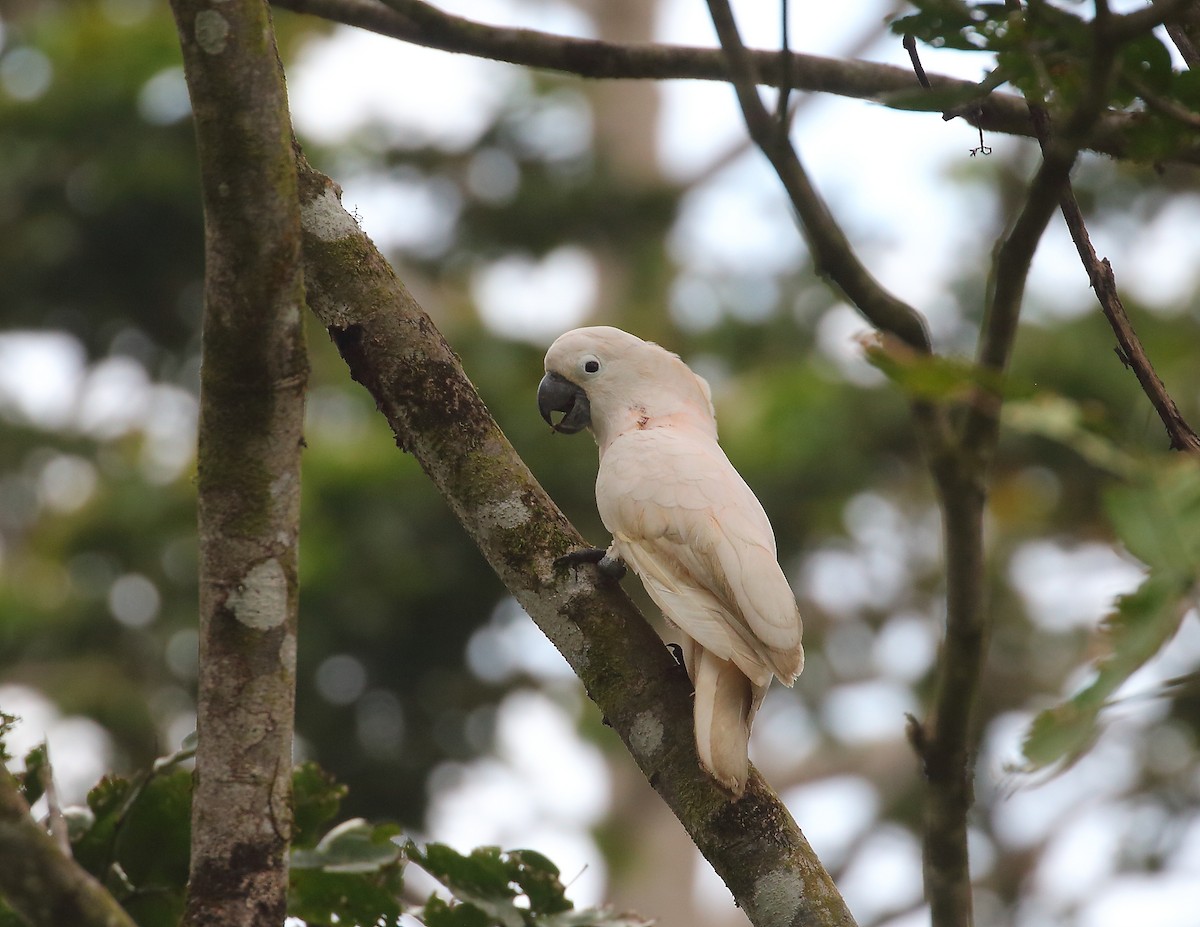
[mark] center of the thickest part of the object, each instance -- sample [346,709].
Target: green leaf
[1144,621]
[8,917]
[37,769]
[1157,518]
[485,872]
[954,25]
[1147,60]
[94,848]
[595,917]
[316,799]
[353,875]
[352,846]
[926,377]
[321,897]
[153,844]
[440,913]
[7,722]
[539,880]
[483,879]
[488,886]
[1065,421]
[152,848]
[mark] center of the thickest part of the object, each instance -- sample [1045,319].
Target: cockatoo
[687,524]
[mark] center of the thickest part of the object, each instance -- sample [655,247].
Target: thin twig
[831,251]
[1100,275]
[54,811]
[785,67]
[910,45]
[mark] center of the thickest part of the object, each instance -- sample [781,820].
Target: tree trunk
[253,375]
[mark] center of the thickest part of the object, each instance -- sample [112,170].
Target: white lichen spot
[260,600]
[777,897]
[325,218]
[507,513]
[282,484]
[287,652]
[212,31]
[646,734]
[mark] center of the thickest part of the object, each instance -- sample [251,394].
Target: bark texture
[253,377]
[394,350]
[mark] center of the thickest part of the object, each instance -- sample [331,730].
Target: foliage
[1157,518]
[133,836]
[520,888]
[1043,50]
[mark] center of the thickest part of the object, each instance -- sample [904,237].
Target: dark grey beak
[558,394]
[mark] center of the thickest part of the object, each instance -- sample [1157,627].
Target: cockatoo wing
[686,522]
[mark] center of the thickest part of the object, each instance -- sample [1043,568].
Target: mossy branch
[394,350]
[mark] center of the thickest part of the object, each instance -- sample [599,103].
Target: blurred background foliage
[410,650]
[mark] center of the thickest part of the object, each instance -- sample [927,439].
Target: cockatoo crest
[686,522]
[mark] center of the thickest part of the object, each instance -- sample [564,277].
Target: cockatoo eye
[591,365]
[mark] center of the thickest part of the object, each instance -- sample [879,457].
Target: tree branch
[252,383]
[1100,275]
[832,254]
[422,24]
[42,884]
[1185,33]
[394,350]
[946,742]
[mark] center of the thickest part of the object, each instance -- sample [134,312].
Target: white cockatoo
[686,522]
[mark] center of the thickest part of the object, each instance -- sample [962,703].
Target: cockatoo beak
[558,394]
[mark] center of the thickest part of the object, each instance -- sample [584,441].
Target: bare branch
[1100,275]
[832,254]
[1183,436]
[392,348]
[1128,26]
[1185,33]
[41,883]
[1001,113]
[1015,255]
[252,385]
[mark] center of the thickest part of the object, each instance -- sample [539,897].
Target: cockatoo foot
[609,567]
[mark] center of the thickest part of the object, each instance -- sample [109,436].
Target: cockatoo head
[611,381]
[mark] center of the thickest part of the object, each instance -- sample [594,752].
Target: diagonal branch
[1100,273]
[1185,33]
[252,383]
[45,886]
[422,24]
[394,350]
[832,254]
